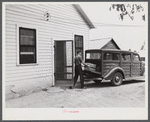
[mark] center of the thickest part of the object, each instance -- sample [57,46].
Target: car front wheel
[117,79]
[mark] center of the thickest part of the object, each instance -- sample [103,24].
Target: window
[135,57]
[126,57]
[27,45]
[93,56]
[111,56]
[79,44]
[142,58]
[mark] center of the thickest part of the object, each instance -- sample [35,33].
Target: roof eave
[115,44]
[86,19]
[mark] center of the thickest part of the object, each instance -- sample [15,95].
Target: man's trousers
[78,71]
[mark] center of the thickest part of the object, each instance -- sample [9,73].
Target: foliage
[128,9]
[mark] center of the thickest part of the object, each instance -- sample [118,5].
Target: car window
[142,58]
[93,55]
[126,57]
[111,56]
[115,56]
[135,57]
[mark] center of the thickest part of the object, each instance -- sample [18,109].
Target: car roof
[111,50]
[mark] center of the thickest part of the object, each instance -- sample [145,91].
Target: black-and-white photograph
[69,59]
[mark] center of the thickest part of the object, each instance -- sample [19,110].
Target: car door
[126,63]
[110,60]
[136,65]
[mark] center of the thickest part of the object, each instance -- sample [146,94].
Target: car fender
[109,75]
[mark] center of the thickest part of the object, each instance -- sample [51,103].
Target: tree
[128,9]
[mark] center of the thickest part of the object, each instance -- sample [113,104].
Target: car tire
[97,81]
[117,79]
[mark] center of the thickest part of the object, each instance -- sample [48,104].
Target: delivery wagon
[113,65]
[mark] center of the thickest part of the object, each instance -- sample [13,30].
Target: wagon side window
[107,56]
[111,56]
[135,57]
[126,57]
[115,56]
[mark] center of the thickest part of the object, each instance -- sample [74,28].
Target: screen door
[63,60]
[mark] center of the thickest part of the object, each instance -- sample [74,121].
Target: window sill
[34,64]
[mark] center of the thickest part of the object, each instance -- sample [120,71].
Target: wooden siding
[136,69]
[107,66]
[64,22]
[126,66]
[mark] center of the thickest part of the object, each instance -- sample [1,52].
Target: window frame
[112,57]
[94,54]
[126,60]
[82,48]
[18,44]
[133,58]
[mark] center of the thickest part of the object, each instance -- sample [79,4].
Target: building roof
[99,43]
[84,16]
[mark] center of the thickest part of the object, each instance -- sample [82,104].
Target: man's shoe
[71,87]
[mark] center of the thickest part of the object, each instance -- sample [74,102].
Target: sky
[128,34]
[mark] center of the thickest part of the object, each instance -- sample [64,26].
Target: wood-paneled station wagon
[113,65]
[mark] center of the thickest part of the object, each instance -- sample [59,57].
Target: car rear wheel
[117,79]
[97,81]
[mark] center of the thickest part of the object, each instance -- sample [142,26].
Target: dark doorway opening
[63,61]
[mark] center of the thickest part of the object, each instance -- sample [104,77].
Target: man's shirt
[78,60]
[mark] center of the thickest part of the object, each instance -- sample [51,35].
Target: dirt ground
[104,95]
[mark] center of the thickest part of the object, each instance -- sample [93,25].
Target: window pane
[26,41]
[27,33]
[111,56]
[32,34]
[126,57]
[107,56]
[93,56]
[31,41]
[135,58]
[24,59]
[115,56]
[22,40]
[27,37]
[80,43]
[77,43]
[142,58]
[22,32]
[27,49]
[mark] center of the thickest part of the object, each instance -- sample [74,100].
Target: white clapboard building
[40,41]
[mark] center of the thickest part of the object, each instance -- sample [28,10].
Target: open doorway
[63,61]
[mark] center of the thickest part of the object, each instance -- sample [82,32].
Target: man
[78,70]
